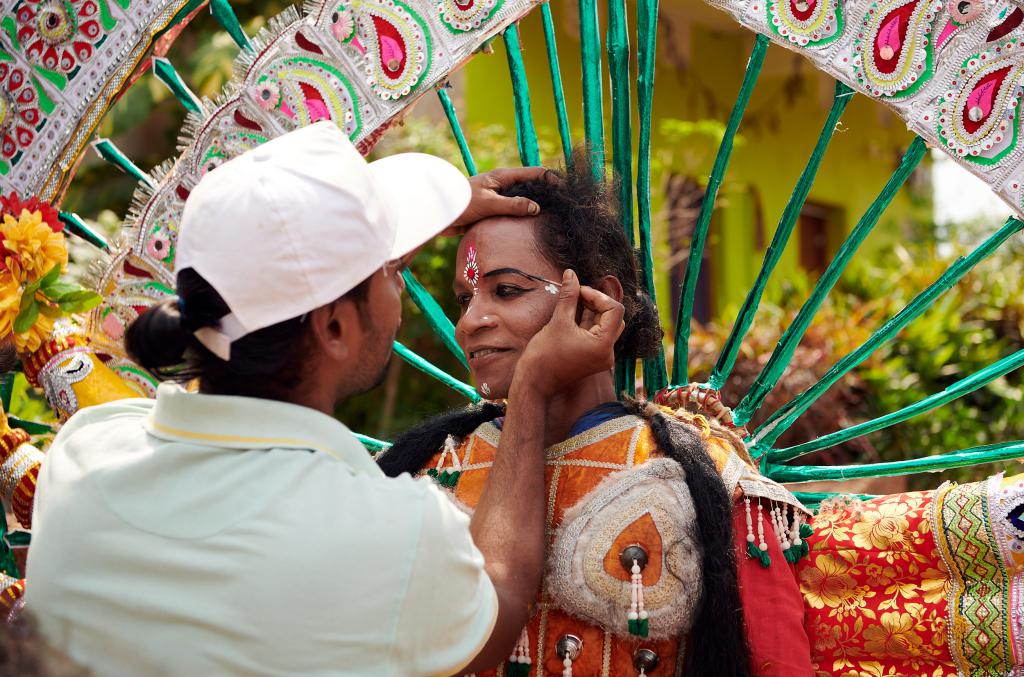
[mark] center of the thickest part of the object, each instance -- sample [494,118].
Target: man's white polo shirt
[207,535]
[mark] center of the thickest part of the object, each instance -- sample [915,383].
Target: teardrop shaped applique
[648,506]
[948,31]
[461,16]
[893,50]
[978,115]
[396,44]
[305,90]
[806,23]
[1009,18]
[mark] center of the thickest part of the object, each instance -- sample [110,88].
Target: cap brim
[422,193]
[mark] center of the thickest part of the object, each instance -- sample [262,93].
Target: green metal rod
[166,73]
[783,352]
[593,108]
[429,369]
[812,499]
[990,453]
[680,370]
[782,419]
[622,150]
[556,83]
[77,225]
[959,389]
[727,359]
[529,154]
[453,122]
[622,133]
[655,373]
[372,443]
[112,154]
[434,315]
[225,16]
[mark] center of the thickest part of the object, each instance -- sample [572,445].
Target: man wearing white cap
[242,529]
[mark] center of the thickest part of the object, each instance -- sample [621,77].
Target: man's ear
[609,285]
[336,329]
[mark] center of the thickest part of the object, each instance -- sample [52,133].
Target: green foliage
[971,326]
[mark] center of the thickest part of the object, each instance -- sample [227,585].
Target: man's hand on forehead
[486,200]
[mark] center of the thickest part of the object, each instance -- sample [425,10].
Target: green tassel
[517,670]
[432,473]
[806,531]
[766,561]
[791,555]
[753,552]
[643,627]
[634,626]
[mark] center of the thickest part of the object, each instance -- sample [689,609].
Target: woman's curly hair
[580,227]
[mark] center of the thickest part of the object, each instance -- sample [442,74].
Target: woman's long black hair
[580,228]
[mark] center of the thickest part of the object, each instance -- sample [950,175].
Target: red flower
[19,110]
[13,205]
[58,34]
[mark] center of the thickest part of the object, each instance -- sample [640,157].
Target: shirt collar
[253,423]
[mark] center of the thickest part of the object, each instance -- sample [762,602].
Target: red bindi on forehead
[471,271]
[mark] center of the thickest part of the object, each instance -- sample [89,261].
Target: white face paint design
[551,289]
[485,389]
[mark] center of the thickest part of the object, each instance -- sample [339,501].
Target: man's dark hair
[267,363]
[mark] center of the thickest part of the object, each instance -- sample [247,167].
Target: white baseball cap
[301,220]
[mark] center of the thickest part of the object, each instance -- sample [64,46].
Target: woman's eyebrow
[516,271]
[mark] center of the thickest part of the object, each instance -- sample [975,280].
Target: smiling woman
[642,565]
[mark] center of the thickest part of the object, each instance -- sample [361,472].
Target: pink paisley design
[392,47]
[981,99]
[396,43]
[59,34]
[890,38]
[19,111]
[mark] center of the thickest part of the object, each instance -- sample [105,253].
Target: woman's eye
[463,299]
[508,290]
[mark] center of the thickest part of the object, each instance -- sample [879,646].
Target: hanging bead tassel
[800,548]
[447,477]
[752,551]
[638,623]
[519,662]
[762,546]
[788,549]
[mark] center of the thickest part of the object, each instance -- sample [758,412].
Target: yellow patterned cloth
[924,583]
[875,590]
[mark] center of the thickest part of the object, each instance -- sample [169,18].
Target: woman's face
[502,302]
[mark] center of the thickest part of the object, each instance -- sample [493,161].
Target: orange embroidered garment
[598,505]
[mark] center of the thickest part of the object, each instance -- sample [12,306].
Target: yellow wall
[701,59]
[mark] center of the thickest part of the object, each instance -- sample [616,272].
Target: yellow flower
[29,341]
[934,585]
[895,635]
[31,247]
[882,528]
[10,300]
[827,583]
